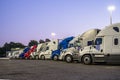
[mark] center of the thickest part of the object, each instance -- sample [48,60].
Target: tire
[55,58]
[36,57]
[42,57]
[30,57]
[68,59]
[87,59]
[26,58]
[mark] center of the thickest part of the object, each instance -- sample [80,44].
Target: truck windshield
[70,45]
[98,41]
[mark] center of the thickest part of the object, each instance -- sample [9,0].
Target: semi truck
[71,54]
[63,44]
[17,53]
[105,48]
[50,46]
[28,54]
[40,48]
[14,54]
[21,56]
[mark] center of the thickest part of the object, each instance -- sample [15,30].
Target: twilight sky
[25,20]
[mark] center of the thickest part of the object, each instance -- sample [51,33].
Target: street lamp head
[53,34]
[111,8]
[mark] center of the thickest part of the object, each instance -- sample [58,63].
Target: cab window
[54,42]
[89,43]
[47,48]
[116,41]
[71,45]
[116,29]
[98,41]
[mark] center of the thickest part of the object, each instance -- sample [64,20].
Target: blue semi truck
[21,56]
[61,46]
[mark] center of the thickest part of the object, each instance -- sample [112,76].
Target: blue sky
[25,20]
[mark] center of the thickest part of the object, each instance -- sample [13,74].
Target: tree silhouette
[32,43]
[9,46]
[47,40]
[41,41]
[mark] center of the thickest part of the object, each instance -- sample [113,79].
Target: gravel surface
[56,70]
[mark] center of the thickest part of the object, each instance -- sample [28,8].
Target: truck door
[98,50]
[99,45]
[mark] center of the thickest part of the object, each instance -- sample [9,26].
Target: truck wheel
[55,58]
[30,57]
[68,58]
[87,59]
[26,58]
[43,57]
[37,57]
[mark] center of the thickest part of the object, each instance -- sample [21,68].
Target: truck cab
[51,46]
[14,53]
[21,55]
[106,47]
[28,54]
[40,48]
[63,44]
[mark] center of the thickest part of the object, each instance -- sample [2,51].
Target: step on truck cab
[106,46]
[80,41]
[63,44]
[51,46]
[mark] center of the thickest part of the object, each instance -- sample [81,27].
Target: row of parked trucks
[92,46]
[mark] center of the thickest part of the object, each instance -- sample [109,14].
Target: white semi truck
[40,48]
[78,42]
[15,53]
[106,46]
[51,46]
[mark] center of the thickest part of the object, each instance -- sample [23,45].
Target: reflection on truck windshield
[98,41]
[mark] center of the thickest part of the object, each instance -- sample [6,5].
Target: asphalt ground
[56,70]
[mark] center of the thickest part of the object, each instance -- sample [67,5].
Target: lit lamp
[111,9]
[53,34]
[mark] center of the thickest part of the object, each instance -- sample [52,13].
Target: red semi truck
[32,49]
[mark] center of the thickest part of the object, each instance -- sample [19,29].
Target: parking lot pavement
[56,70]
[1,58]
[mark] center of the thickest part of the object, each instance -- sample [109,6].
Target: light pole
[111,9]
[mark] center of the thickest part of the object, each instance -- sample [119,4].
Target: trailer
[105,48]
[71,54]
